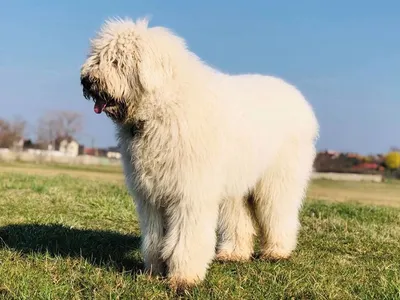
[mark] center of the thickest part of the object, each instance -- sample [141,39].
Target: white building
[67,146]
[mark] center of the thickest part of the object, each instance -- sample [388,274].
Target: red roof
[89,151]
[373,166]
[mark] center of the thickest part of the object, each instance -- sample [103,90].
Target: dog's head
[127,60]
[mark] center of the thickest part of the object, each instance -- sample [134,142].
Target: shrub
[392,160]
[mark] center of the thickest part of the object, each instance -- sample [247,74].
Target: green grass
[74,238]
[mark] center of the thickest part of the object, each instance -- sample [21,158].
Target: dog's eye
[117,64]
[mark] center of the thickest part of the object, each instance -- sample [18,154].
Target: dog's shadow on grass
[100,248]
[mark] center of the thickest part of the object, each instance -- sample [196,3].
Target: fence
[349,176]
[43,156]
[40,156]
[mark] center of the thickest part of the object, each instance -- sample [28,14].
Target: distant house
[113,153]
[369,167]
[332,153]
[96,152]
[18,145]
[68,146]
[89,151]
[331,161]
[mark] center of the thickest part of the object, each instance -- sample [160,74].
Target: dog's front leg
[189,243]
[152,231]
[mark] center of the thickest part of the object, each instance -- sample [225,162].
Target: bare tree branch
[11,132]
[58,124]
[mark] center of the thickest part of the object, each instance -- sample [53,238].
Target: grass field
[72,233]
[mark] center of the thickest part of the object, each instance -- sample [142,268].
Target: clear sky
[343,55]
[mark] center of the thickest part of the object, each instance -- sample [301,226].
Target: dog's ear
[153,71]
[155,66]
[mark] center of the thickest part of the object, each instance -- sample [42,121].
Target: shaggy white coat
[218,152]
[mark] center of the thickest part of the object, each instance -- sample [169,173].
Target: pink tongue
[99,106]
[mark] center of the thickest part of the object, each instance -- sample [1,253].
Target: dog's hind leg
[278,198]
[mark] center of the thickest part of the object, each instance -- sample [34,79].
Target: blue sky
[343,55]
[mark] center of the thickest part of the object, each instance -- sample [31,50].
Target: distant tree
[47,130]
[4,134]
[71,123]
[324,162]
[11,132]
[392,160]
[58,124]
[369,158]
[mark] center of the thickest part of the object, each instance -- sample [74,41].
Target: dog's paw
[180,285]
[232,256]
[273,254]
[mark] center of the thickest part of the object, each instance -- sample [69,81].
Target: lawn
[72,233]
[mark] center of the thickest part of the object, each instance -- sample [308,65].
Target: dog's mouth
[103,104]
[103,101]
[99,106]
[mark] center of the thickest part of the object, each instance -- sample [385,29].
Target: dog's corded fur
[215,151]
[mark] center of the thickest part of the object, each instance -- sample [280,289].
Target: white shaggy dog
[202,151]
